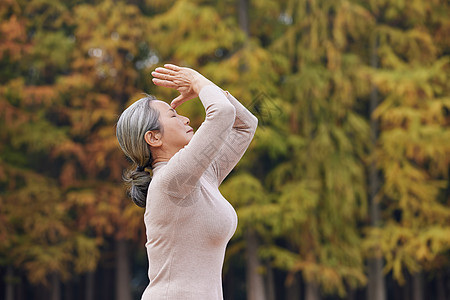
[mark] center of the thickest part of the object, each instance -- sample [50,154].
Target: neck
[160,155]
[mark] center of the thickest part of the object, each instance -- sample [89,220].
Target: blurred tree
[49,24]
[105,71]
[14,43]
[58,142]
[41,236]
[317,169]
[413,147]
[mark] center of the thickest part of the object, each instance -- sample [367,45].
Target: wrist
[200,83]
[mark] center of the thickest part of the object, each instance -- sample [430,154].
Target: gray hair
[132,125]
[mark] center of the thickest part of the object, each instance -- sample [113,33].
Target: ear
[153,138]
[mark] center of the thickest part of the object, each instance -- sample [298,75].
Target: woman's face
[176,132]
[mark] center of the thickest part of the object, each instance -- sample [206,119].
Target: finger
[162,70]
[177,101]
[172,67]
[164,83]
[163,76]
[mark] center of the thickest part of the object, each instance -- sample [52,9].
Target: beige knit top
[188,222]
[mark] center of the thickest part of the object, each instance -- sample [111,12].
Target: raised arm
[236,141]
[184,169]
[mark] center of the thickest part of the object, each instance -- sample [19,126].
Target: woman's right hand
[185,80]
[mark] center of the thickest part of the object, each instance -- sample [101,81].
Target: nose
[187,121]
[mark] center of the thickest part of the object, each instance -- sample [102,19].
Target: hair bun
[138,182]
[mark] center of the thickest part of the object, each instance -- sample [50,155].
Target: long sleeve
[184,169]
[236,141]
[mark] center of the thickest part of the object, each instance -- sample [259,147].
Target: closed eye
[174,112]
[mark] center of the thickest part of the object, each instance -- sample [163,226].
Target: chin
[188,140]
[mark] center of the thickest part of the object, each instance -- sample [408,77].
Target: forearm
[236,141]
[244,120]
[216,104]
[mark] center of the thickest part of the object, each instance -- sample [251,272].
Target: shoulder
[173,179]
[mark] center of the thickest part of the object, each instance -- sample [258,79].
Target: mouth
[190,130]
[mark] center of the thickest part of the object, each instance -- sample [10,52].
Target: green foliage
[51,53]
[188,45]
[318,180]
[413,148]
[60,158]
[307,70]
[40,234]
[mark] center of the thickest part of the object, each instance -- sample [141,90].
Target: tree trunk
[9,292]
[396,290]
[255,282]
[440,286]
[311,291]
[68,290]
[417,286]
[228,286]
[407,287]
[55,286]
[123,276]
[40,291]
[89,288]
[293,289]
[376,289]
[19,290]
[270,283]
[243,15]
[350,294]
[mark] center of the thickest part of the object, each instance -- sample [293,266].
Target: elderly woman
[176,178]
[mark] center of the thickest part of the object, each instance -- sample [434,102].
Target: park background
[344,192]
